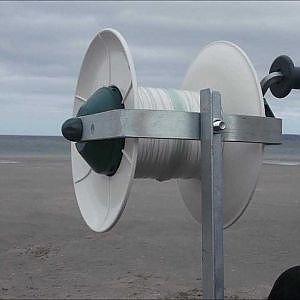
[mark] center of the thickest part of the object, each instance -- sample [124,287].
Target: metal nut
[219,125]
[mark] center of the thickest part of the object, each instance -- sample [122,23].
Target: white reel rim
[102,199]
[231,65]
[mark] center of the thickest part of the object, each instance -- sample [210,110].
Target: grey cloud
[43,43]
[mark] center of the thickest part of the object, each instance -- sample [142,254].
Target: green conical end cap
[103,156]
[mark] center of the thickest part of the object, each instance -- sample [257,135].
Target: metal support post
[212,194]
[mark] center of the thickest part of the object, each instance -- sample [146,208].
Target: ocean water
[288,153]
[21,145]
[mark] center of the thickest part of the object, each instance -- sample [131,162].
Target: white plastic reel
[222,66]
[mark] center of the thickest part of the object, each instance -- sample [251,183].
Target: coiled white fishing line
[163,159]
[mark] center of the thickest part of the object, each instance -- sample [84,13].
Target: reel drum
[222,66]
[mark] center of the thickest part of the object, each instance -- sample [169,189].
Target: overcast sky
[42,45]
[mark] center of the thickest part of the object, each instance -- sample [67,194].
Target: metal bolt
[92,128]
[218,125]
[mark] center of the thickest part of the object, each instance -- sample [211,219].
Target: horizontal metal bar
[132,123]
[166,124]
[252,129]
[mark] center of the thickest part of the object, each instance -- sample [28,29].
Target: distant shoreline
[288,153]
[286,136]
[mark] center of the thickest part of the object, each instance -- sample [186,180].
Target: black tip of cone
[72,129]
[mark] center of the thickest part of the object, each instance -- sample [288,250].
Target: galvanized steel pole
[212,194]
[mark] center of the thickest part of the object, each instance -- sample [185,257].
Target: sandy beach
[110,75]
[47,251]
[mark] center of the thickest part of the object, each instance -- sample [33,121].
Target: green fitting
[103,156]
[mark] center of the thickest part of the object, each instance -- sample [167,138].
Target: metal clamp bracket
[162,124]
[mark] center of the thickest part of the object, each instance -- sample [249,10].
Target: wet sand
[47,251]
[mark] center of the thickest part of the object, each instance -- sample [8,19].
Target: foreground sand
[46,250]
